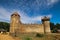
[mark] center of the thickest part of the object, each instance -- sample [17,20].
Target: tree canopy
[54,27]
[4,25]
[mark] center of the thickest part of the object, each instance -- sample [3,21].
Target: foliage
[39,35]
[4,25]
[54,27]
[58,26]
[27,38]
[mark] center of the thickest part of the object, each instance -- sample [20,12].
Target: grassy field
[41,37]
[30,37]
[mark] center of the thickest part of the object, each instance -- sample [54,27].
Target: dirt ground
[47,37]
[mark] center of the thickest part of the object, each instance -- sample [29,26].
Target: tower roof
[45,18]
[16,14]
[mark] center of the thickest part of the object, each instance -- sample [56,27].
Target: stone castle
[17,27]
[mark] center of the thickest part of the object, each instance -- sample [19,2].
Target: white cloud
[33,20]
[50,2]
[5,15]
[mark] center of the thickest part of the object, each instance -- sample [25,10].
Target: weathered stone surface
[17,27]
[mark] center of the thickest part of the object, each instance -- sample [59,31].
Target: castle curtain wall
[16,27]
[32,28]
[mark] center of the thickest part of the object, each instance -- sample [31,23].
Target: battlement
[15,14]
[45,18]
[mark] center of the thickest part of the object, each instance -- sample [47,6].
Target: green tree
[58,26]
[5,26]
[53,27]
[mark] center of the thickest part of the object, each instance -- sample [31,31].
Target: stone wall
[17,27]
[38,28]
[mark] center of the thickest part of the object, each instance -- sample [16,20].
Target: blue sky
[30,11]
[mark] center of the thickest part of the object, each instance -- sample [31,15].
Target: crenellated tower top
[15,14]
[45,18]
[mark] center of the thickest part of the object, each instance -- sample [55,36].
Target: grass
[31,37]
[41,37]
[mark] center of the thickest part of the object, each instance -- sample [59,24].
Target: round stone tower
[14,24]
[46,23]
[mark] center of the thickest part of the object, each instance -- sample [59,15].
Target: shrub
[39,35]
[27,38]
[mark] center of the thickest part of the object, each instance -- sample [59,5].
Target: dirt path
[7,37]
